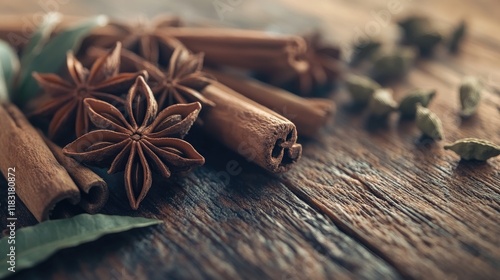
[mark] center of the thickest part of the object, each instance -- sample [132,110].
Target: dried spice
[181,83]
[427,41]
[419,31]
[457,36]
[474,149]
[408,105]
[365,49]
[361,88]
[470,96]
[308,114]
[144,37]
[140,141]
[48,56]
[93,190]
[250,129]
[259,51]
[429,123]
[234,119]
[42,182]
[382,103]
[63,100]
[9,67]
[324,67]
[39,242]
[412,23]
[393,65]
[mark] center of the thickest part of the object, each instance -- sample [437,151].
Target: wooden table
[362,202]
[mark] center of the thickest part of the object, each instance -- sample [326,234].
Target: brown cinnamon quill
[246,127]
[93,190]
[41,182]
[249,49]
[308,114]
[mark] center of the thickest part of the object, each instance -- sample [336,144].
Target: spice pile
[123,97]
[420,38]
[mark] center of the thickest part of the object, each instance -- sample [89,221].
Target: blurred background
[342,21]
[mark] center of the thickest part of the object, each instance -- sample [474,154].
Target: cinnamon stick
[93,190]
[246,127]
[41,182]
[308,114]
[249,49]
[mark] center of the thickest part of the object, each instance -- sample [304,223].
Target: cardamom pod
[427,40]
[408,105]
[365,49]
[470,96]
[393,65]
[411,24]
[457,37]
[474,149]
[361,88]
[382,103]
[419,31]
[429,123]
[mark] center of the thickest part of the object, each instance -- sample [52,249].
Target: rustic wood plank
[252,227]
[412,203]
[410,208]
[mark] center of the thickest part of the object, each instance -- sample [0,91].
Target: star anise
[181,82]
[324,67]
[138,141]
[63,100]
[144,38]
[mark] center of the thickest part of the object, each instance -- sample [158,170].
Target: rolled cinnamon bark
[246,127]
[93,190]
[308,114]
[40,181]
[249,49]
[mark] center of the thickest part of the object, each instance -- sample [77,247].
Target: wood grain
[252,227]
[367,200]
[412,203]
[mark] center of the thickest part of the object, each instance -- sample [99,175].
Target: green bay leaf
[53,55]
[36,243]
[39,38]
[9,65]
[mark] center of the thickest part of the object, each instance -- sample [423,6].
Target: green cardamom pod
[382,103]
[393,65]
[474,149]
[457,36]
[429,123]
[427,40]
[365,49]
[361,88]
[411,25]
[470,96]
[408,106]
[419,31]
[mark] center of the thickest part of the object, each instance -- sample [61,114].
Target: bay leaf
[53,55]
[39,38]
[9,65]
[36,243]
